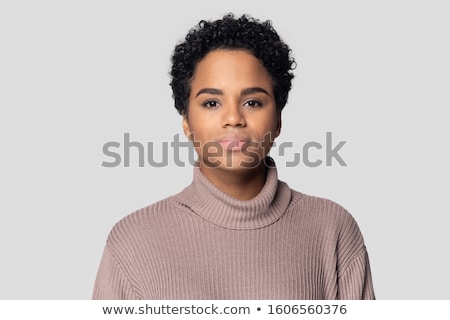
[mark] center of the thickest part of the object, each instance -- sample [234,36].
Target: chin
[234,163]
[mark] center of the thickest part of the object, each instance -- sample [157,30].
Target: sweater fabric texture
[204,244]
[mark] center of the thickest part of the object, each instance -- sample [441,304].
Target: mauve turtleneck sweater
[204,244]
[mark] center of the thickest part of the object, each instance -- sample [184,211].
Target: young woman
[236,232]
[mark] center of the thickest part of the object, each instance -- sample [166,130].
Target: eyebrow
[210,91]
[244,92]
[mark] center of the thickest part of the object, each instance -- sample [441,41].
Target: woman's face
[232,117]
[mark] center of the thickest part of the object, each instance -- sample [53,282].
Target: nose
[232,116]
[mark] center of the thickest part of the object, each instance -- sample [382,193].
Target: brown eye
[210,104]
[253,104]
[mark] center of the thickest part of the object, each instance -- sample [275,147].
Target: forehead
[228,66]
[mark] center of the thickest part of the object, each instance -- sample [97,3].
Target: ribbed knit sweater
[204,244]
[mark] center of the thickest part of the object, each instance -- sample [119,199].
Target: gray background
[75,75]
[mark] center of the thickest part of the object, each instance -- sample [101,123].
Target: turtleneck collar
[218,207]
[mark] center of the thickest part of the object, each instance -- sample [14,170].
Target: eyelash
[257,104]
[207,104]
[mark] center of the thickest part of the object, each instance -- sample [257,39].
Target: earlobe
[278,130]
[186,129]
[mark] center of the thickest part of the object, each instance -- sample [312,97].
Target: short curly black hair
[243,33]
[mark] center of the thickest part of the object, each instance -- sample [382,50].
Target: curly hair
[243,33]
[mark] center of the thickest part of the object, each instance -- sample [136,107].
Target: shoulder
[320,209]
[144,221]
[336,225]
[327,216]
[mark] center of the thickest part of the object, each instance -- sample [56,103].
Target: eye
[253,103]
[210,104]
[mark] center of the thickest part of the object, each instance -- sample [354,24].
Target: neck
[240,184]
[204,199]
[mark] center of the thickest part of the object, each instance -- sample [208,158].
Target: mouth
[233,143]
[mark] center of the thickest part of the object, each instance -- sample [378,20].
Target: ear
[186,127]
[278,130]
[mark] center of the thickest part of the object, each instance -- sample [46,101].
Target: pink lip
[233,142]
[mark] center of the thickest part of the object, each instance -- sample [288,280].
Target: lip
[233,142]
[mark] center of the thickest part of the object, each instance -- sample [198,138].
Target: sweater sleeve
[112,282]
[356,281]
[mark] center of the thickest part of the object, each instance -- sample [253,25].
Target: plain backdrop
[75,75]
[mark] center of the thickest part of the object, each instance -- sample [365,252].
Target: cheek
[201,129]
[268,126]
